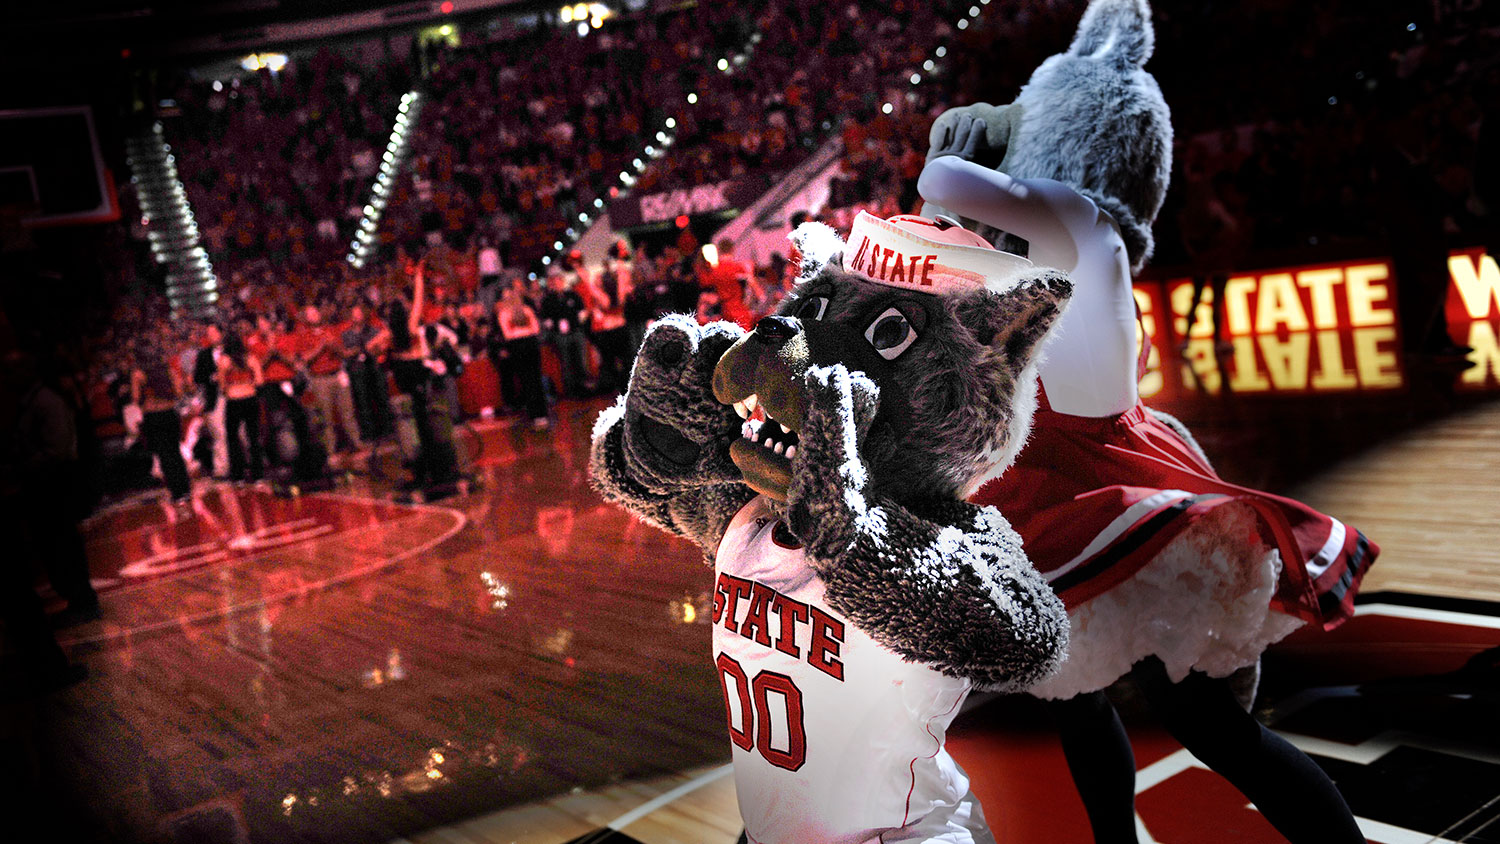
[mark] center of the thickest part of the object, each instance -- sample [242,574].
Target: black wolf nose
[777,329]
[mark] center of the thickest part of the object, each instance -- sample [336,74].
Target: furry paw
[674,428]
[829,478]
[963,138]
[841,405]
[979,132]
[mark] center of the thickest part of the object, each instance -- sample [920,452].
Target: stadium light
[391,159]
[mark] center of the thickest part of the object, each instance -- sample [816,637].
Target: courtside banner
[648,209]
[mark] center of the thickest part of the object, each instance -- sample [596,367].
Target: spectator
[285,379]
[46,462]
[367,384]
[728,277]
[156,387]
[489,274]
[210,451]
[241,378]
[328,382]
[435,461]
[564,318]
[520,330]
[608,294]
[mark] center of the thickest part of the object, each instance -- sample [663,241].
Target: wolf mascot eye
[891,333]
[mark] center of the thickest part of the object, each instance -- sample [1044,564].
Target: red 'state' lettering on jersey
[827,632]
[731,591]
[756,625]
[827,637]
[790,612]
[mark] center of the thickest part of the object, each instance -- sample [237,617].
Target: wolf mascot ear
[820,247]
[1092,118]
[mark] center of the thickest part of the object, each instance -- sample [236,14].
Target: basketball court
[525,663]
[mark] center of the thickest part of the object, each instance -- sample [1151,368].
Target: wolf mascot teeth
[1162,564]
[820,461]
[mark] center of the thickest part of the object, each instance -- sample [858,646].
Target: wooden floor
[526,664]
[1434,494]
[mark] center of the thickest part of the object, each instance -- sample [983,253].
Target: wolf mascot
[820,461]
[1163,566]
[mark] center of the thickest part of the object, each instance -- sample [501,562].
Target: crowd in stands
[1341,129]
[291,372]
[520,137]
[275,164]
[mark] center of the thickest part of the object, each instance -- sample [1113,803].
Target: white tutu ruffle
[1203,603]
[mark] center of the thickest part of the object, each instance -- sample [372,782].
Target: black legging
[1202,713]
[310,462]
[237,413]
[1102,764]
[436,462]
[526,367]
[163,433]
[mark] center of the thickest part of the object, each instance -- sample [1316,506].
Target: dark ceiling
[93,30]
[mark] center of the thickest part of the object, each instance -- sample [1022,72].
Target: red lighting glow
[682,221]
[446,7]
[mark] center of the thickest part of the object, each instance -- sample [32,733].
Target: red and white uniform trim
[1087,534]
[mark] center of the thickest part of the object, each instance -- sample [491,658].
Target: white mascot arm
[1089,366]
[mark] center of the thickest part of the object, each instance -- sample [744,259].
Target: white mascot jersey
[836,739]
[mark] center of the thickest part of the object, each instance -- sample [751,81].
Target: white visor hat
[927,256]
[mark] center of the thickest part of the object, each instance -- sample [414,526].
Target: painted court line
[459,520]
[619,824]
[1425,614]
